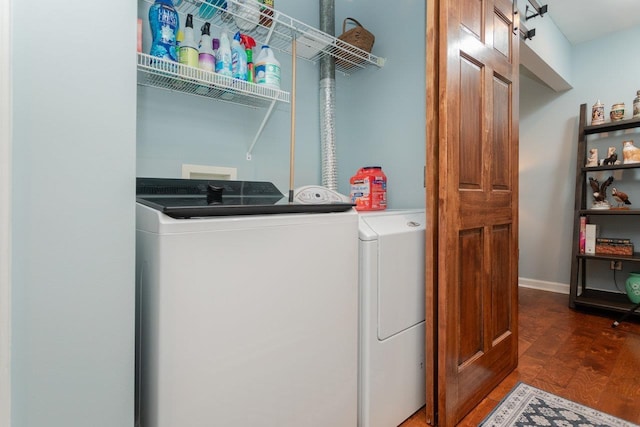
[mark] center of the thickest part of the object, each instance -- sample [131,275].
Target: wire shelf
[272,27]
[164,74]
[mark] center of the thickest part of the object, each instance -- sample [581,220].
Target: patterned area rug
[529,406]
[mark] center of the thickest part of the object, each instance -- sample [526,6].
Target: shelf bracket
[539,11]
[261,128]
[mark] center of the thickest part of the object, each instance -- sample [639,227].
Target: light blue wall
[548,53]
[602,69]
[379,113]
[73,213]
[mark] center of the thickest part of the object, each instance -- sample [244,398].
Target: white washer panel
[400,269]
[391,375]
[247,321]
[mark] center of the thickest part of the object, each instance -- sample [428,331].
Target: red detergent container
[369,189]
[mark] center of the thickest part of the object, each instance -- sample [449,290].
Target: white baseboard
[559,288]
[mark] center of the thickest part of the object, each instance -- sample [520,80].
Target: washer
[247,320]
[391,374]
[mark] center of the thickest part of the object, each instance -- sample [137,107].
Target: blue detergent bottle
[164,23]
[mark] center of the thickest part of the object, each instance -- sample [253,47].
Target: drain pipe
[327,100]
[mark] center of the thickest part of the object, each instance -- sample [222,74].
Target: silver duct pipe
[327,100]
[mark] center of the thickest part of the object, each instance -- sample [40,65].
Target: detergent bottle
[267,68]
[369,189]
[223,56]
[164,23]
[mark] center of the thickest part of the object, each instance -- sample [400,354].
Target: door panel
[473,143]
[470,134]
[470,313]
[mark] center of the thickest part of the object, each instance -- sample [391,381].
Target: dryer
[391,374]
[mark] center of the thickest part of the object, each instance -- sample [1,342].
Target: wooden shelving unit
[581,295]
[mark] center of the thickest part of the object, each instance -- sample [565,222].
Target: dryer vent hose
[327,133]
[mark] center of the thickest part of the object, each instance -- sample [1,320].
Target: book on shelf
[614,249]
[613,240]
[590,239]
[583,229]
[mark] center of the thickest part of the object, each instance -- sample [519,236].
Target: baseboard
[559,288]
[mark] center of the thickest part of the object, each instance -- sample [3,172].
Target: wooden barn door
[472,195]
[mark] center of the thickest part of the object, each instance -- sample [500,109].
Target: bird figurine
[600,190]
[603,188]
[595,187]
[620,197]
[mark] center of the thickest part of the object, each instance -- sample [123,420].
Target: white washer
[247,320]
[391,376]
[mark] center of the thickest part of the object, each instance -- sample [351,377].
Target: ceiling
[584,20]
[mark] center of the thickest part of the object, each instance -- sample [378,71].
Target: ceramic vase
[633,287]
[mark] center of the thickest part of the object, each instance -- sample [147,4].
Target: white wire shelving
[266,26]
[164,74]
[272,27]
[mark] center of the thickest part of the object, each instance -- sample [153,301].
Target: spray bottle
[238,59]
[179,38]
[223,57]
[206,58]
[188,47]
[249,43]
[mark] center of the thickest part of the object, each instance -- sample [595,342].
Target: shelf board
[604,300]
[612,126]
[609,211]
[610,257]
[164,74]
[274,28]
[610,167]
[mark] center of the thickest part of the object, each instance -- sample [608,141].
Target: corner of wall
[5,213]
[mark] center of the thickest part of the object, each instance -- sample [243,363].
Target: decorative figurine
[630,152]
[636,105]
[597,113]
[592,160]
[621,198]
[612,157]
[600,193]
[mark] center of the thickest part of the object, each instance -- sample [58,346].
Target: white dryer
[391,374]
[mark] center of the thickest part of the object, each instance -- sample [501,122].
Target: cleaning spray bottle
[223,57]
[249,43]
[206,58]
[179,38]
[188,47]
[267,68]
[238,59]
[164,23]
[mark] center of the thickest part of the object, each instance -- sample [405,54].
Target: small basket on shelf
[357,37]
